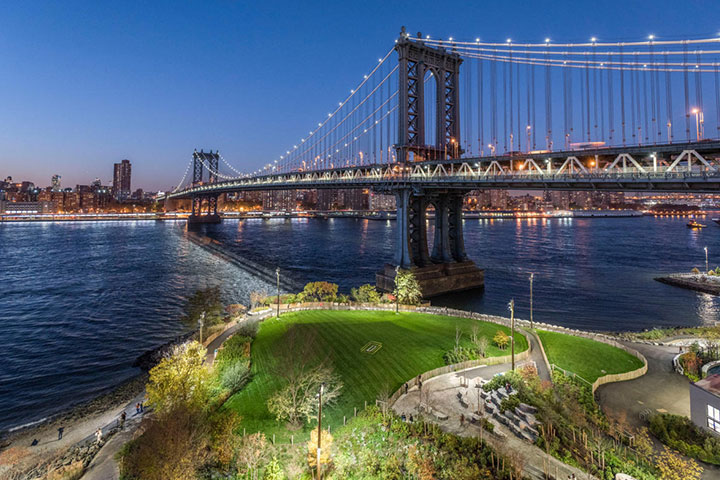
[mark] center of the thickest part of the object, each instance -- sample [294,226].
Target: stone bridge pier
[447,267]
[204,209]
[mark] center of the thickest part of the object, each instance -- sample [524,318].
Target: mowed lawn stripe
[412,343]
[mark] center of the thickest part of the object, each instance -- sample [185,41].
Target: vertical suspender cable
[505,116]
[520,136]
[595,96]
[587,97]
[493,101]
[645,103]
[481,137]
[632,102]
[687,94]
[717,99]
[622,98]
[699,92]
[668,101]
[602,103]
[611,103]
[532,124]
[509,81]
[653,95]
[548,104]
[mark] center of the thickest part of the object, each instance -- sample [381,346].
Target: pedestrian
[98,435]
[402,417]
[137,408]
[123,415]
[462,419]
[411,418]
[406,388]
[60,432]
[142,407]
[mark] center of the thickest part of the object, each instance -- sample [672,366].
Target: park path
[537,356]
[443,396]
[104,466]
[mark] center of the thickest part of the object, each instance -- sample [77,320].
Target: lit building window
[713,418]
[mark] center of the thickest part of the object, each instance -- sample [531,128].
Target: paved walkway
[103,466]
[443,390]
[537,356]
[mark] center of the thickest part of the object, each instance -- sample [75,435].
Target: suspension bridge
[436,118]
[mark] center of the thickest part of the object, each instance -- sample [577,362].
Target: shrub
[248,328]
[319,292]
[501,339]
[365,294]
[235,349]
[234,377]
[695,270]
[510,403]
[681,434]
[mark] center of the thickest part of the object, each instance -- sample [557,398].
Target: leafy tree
[251,452]
[481,345]
[180,379]
[407,290]
[273,470]
[319,292]
[365,294]
[207,301]
[257,298]
[302,373]
[327,440]
[501,339]
[674,467]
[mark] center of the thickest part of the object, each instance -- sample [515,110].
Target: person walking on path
[123,415]
[60,432]
[462,420]
[98,435]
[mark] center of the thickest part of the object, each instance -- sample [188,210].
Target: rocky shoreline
[698,282]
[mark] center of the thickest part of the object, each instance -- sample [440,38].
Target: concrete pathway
[442,395]
[537,356]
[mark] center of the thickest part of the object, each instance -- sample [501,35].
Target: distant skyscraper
[121,180]
[55,182]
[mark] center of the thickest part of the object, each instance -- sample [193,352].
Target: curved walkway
[443,390]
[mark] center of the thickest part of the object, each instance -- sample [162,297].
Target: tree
[257,298]
[319,292]
[481,345]
[273,470]
[672,466]
[207,301]
[501,339]
[180,379]
[302,373]
[407,289]
[365,294]
[327,440]
[251,451]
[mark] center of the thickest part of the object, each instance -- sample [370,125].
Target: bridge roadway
[680,167]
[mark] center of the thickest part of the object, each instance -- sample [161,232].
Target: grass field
[409,344]
[585,357]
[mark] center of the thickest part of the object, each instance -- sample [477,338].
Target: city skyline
[152,92]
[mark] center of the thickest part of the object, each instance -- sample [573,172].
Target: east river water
[79,301]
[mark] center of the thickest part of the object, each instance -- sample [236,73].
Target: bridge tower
[204,205]
[446,268]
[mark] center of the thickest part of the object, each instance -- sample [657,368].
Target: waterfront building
[279,200]
[121,180]
[705,404]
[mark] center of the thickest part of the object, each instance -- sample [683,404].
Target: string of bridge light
[331,115]
[347,116]
[597,65]
[593,42]
[182,180]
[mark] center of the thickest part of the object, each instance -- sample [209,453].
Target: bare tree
[302,371]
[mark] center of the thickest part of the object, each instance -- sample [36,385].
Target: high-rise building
[55,182]
[121,180]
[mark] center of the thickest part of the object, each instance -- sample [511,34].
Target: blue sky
[86,84]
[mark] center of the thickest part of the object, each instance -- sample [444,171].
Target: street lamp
[511,307]
[201,323]
[707,267]
[277,276]
[319,431]
[397,290]
[532,275]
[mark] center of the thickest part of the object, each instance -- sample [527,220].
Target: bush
[365,294]
[235,349]
[681,434]
[235,377]
[319,292]
[248,329]
[510,403]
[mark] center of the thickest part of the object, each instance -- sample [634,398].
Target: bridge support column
[208,214]
[448,269]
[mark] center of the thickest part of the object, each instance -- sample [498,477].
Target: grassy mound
[370,351]
[585,357]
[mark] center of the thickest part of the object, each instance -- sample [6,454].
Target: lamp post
[277,276]
[319,431]
[511,307]
[397,290]
[532,275]
[707,267]
[201,323]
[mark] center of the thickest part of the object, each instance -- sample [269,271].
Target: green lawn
[412,343]
[585,357]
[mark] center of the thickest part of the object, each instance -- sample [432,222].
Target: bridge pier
[448,269]
[204,210]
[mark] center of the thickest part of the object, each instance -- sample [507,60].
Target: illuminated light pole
[511,307]
[201,324]
[277,276]
[532,275]
[319,430]
[707,267]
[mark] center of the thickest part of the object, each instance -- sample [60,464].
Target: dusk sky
[86,84]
